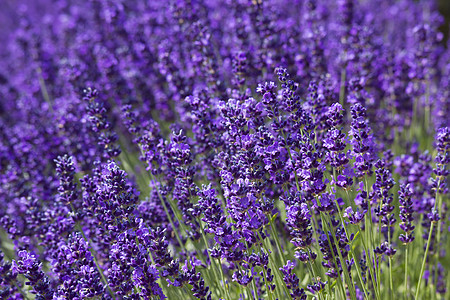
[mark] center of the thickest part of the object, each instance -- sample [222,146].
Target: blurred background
[9,11]
[444,8]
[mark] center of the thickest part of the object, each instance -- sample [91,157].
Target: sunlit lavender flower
[227,142]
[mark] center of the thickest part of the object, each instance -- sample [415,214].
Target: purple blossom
[354,217]
[226,139]
[292,281]
[406,214]
[30,267]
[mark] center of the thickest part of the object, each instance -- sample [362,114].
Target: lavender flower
[298,220]
[30,267]
[362,141]
[9,287]
[406,216]
[354,217]
[442,160]
[99,123]
[210,115]
[292,281]
[66,171]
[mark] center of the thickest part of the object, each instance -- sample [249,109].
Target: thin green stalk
[314,226]
[277,273]
[290,157]
[24,295]
[269,291]
[213,263]
[342,87]
[223,280]
[358,270]
[248,292]
[369,253]
[427,108]
[91,250]
[414,119]
[360,275]
[277,242]
[314,276]
[341,286]
[378,261]
[313,265]
[448,283]
[253,281]
[350,284]
[436,254]
[44,90]
[438,207]
[246,288]
[422,269]
[391,285]
[177,236]
[298,189]
[405,293]
[371,267]
[95,260]
[348,238]
[255,291]
[168,216]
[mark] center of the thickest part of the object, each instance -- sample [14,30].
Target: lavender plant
[229,150]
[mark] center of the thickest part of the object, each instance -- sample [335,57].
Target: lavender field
[234,149]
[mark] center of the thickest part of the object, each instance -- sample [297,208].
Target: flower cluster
[230,150]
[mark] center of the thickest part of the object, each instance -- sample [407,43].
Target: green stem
[391,285]
[358,270]
[436,254]
[290,157]
[378,261]
[342,87]
[414,117]
[255,291]
[95,261]
[369,253]
[438,207]
[24,294]
[44,90]
[213,262]
[223,280]
[422,269]
[269,292]
[253,280]
[406,273]
[350,285]
[91,250]
[351,242]
[427,108]
[175,231]
[277,273]
[371,267]
[341,286]
[313,275]
[277,242]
